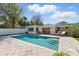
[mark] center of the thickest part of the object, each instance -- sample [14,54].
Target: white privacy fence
[12,31]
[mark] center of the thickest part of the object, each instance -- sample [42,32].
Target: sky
[52,13]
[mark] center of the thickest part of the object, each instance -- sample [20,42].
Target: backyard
[30,32]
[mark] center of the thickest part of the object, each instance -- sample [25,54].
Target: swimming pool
[45,41]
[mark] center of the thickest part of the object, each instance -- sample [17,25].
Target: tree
[3,15]
[23,22]
[1,25]
[11,15]
[31,22]
[36,20]
[27,23]
[4,19]
[13,12]
[73,30]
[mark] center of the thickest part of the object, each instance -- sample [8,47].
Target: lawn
[77,39]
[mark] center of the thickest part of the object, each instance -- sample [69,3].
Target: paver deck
[69,46]
[12,47]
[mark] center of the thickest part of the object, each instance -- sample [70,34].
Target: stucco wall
[52,28]
[12,31]
[33,32]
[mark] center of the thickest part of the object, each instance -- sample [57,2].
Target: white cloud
[64,14]
[42,9]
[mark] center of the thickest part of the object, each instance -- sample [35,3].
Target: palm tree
[13,12]
[3,16]
[36,20]
[5,20]
[23,22]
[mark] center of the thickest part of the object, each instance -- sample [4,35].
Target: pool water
[48,42]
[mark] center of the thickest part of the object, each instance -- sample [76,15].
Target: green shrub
[59,54]
[73,30]
[2,26]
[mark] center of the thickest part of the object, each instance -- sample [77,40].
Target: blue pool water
[48,42]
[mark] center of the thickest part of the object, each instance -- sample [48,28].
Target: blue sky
[52,13]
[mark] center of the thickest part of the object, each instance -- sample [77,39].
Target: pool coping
[40,35]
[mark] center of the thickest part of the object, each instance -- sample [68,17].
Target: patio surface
[69,46]
[13,47]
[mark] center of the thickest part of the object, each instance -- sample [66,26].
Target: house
[46,29]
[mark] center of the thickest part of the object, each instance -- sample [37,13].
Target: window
[37,29]
[31,29]
[57,29]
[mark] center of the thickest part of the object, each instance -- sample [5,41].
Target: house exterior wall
[34,27]
[52,28]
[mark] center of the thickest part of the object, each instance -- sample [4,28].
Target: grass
[77,39]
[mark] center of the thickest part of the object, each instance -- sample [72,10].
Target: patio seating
[61,33]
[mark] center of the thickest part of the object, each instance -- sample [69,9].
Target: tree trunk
[13,24]
[6,23]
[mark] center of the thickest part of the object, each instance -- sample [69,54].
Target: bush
[73,30]
[60,54]
[2,26]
